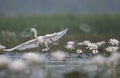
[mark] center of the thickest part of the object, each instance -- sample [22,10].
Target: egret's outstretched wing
[35,42]
[56,36]
[29,44]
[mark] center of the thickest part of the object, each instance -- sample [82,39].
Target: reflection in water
[73,67]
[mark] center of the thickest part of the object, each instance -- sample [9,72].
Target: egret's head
[33,29]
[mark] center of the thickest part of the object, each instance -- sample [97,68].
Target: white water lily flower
[112,48]
[17,66]
[86,42]
[70,45]
[92,46]
[59,55]
[100,43]
[4,61]
[95,51]
[71,42]
[114,42]
[32,58]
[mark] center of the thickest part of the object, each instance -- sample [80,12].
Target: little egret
[39,40]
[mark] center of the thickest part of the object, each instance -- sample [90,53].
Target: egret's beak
[31,30]
[27,30]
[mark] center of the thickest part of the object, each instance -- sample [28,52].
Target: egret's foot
[45,49]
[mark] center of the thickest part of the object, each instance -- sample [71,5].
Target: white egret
[2,47]
[39,40]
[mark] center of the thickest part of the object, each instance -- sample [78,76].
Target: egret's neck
[35,33]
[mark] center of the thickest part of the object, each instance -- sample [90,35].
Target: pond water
[73,67]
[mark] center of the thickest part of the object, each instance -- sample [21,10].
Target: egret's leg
[46,45]
[47,48]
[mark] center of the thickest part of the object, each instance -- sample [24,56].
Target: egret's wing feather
[29,44]
[56,36]
[59,35]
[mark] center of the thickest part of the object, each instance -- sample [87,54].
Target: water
[50,68]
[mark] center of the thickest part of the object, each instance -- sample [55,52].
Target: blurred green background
[86,19]
[77,23]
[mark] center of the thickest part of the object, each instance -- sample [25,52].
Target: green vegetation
[88,24]
[104,23]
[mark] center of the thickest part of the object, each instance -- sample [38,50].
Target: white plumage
[2,47]
[39,40]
